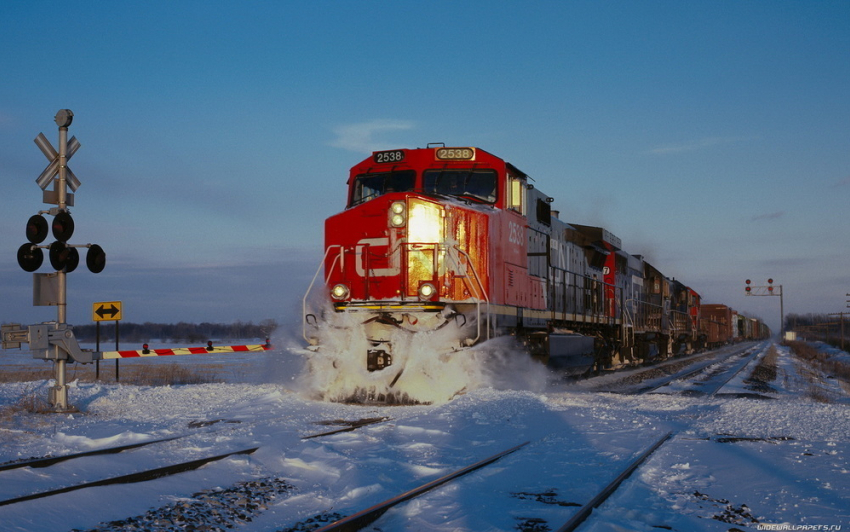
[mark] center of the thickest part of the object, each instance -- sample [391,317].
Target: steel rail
[352,425]
[687,374]
[722,382]
[674,378]
[585,511]
[365,517]
[50,460]
[141,476]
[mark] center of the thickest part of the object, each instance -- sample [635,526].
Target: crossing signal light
[63,226]
[30,257]
[36,229]
[96,259]
[59,253]
[63,257]
[72,260]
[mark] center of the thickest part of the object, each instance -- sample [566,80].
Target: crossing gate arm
[143,353]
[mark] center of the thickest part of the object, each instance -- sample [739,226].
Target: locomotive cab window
[476,185]
[370,186]
[516,194]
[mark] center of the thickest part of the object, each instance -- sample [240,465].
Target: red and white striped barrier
[209,350]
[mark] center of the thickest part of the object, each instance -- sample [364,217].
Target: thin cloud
[695,145]
[360,137]
[768,216]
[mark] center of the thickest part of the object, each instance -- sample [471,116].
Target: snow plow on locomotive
[458,243]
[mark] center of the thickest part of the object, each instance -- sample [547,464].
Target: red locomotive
[456,239]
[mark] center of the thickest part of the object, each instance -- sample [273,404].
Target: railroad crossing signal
[64,258]
[106,311]
[55,340]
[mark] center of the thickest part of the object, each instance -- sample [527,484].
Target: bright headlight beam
[425,225]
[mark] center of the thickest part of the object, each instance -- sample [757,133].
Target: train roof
[598,234]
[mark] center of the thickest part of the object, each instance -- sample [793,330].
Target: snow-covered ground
[732,463]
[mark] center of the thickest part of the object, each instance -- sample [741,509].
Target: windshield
[479,185]
[369,186]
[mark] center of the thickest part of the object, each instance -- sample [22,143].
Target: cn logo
[368,244]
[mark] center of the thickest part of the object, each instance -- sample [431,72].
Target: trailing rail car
[456,238]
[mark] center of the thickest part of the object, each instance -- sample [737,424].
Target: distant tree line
[181,332]
[802,321]
[830,329]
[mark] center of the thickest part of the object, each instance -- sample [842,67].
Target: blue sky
[712,137]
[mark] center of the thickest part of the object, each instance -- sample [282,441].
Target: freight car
[457,239]
[716,324]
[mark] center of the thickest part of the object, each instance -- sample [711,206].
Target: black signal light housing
[30,257]
[96,259]
[63,226]
[36,229]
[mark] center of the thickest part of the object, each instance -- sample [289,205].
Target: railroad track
[366,517]
[641,379]
[51,460]
[141,476]
[706,379]
[273,487]
[153,473]
[585,511]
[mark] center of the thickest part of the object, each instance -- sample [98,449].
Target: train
[457,239]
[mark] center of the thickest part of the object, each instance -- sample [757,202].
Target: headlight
[339,291]
[398,214]
[427,291]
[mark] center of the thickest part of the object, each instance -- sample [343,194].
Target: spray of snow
[428,367]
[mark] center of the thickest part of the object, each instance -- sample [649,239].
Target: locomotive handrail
[478,300]
[629,312]
[310,287]
[679,317]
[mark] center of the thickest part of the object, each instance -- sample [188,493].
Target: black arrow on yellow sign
[111,311]
[107,311]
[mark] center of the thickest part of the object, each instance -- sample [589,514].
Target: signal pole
[769,290]
[58,396]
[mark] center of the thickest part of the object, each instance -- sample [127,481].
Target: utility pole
[841,327]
